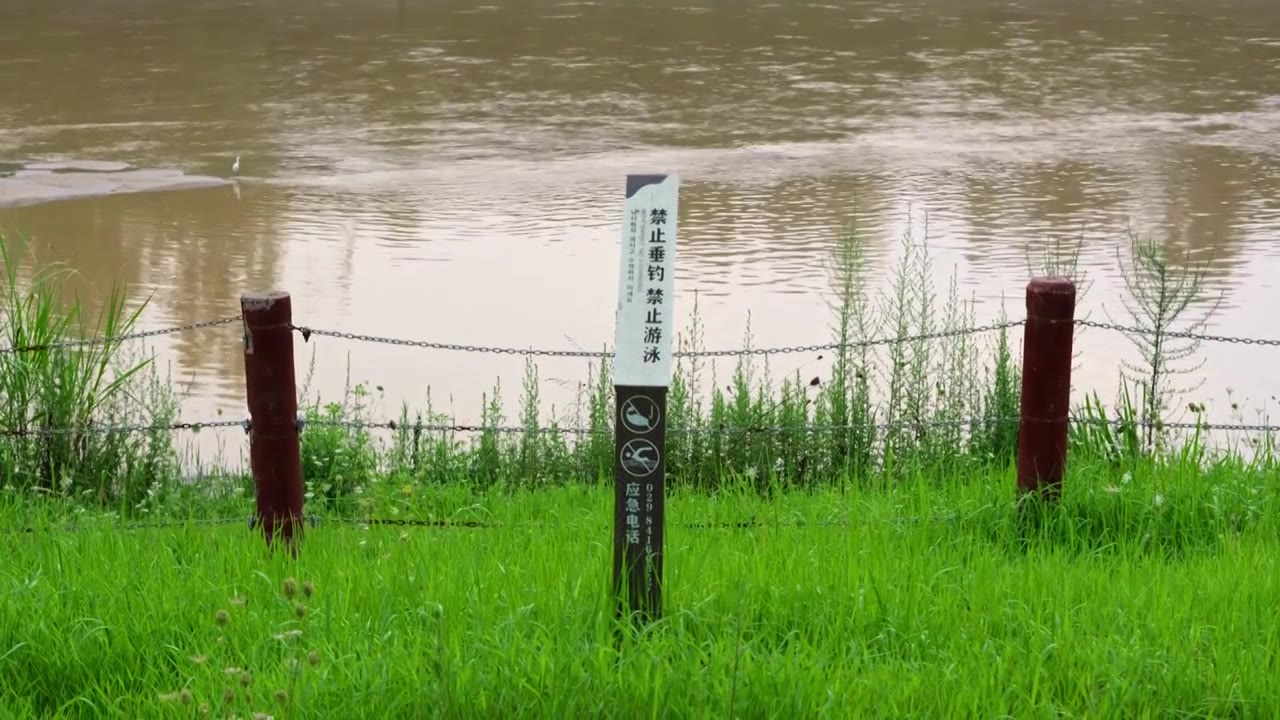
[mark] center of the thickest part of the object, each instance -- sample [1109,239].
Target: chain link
[1241,427]
[136,525]
[109,429]
[302,423]
[708,430]
[307,332]
[120,338]
[851,345]
[1176,334]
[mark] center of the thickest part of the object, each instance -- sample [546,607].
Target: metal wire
[706,430]
[1175,334]
[1244,427]
[303,423]
[307,332]
[88,342]
[369,522]
[138,525]
[109,429]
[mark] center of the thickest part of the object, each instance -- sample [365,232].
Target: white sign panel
[646,282]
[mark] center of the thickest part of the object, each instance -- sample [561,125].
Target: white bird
[235,166]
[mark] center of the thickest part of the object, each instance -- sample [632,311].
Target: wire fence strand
[249,522]
[106,340]
[431,428]
[1131,330]
[307,332]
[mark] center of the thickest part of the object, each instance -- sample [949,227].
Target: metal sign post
[642,374]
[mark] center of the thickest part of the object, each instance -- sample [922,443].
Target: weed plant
[58,403]
[885,411]
[891,406]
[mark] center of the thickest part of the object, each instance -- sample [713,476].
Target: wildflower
[168,697]
[288,635]
[228,696]
[246,679]
[199,659]
[282,696]
[185,696]
[222,617]
[204,709]
[1111,489]
[308,588]
[290,587]
[301,610]
[1158,500]
[237,601]
[313,658]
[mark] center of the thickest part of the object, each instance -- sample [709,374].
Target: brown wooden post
[270,388]
[1046,386]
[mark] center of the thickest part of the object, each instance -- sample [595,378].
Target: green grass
[925,600]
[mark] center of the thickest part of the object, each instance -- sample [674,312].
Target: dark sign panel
[642,374]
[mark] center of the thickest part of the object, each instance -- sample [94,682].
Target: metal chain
[1176,334]
[365,523]
[137,525]
[1244,427]
[119,338]
[852,345]
[302,423]
[108,429]
[307,332]
[709,430]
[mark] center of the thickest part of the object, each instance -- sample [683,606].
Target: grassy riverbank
[876,569]
[1146,595]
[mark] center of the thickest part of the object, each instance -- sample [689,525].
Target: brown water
[452,171]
